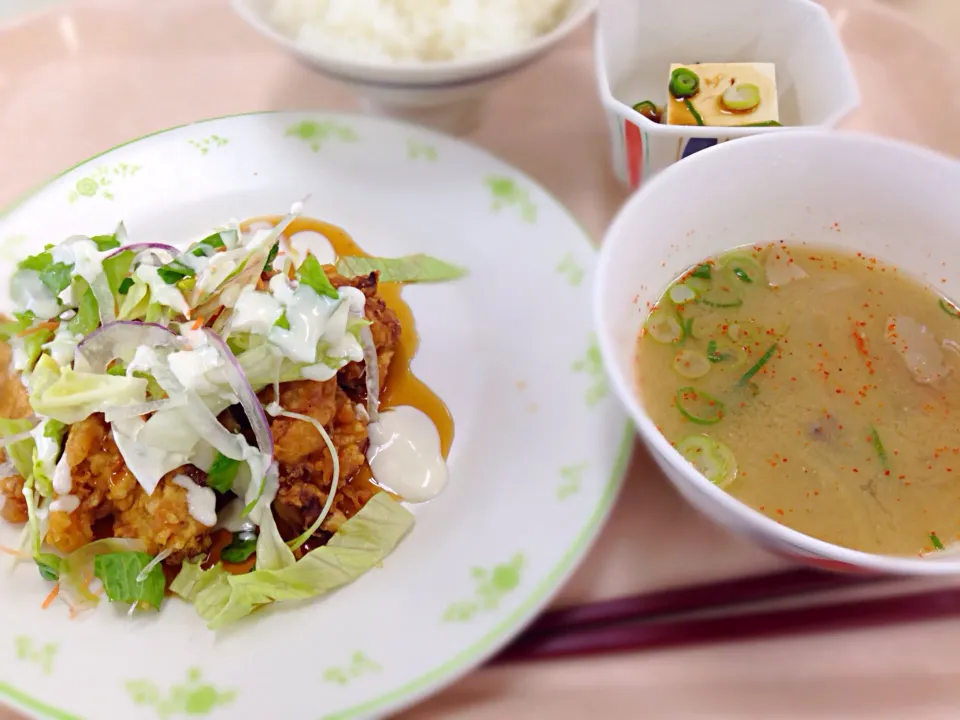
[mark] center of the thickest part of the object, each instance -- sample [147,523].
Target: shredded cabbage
[360,544]
[74,396]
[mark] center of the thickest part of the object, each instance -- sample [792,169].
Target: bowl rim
[411,73]
[752,522]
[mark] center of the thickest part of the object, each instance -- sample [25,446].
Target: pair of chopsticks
[721,612]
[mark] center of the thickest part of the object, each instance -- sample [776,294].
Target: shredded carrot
[198,323]
[15,553]
[51,597]
[47,325]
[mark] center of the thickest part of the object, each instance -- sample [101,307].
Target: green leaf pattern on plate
[205,145]
[10,247]
[572,477]
[417,150]
[29,650]
[100,182]
[571,270]
[193,697]
[316,132]
[491,586]
[358,666]
[507,193]
[591,365]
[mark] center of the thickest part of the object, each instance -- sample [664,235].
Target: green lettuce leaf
[57,277]
[46,452]
[222,473]
[117,268]
[74,396]
[20,453]
[135,301]
[361,544]
[311,273]
[22,322]
[408,269]
[106,242]
[87,318]
[118,572]
[32,345]
[76,569]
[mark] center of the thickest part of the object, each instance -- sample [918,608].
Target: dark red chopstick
[790,583]
[638,636]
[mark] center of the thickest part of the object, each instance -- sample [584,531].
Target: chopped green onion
[765,123]
[124,287]
[703,271]
[878,446]
[691,364]
[693,111]
[699,407]
[684,83]
[744,268]
[949,308]
[936,541]
[649,110]
[721,295]
[741,97]
[681,294]
[686,326]
[274,251]
[712,459]
[748,375]
[282,322]
[663,327]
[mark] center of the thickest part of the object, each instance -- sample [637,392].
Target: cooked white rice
[417,30]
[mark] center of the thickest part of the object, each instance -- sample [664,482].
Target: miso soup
[820,388]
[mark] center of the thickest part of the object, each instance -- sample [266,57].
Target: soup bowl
[855,193]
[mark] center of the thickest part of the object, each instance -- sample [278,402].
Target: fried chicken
[13,404]
[105,487]
[306,466]
[163,521]
[385,328]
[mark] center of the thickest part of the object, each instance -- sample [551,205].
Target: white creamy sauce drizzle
[65,503]
[160,292]
[62,477]
[81,252]
[405,455]
[63,346]
[201,501]
[30,294]
[307,314]
[255,312]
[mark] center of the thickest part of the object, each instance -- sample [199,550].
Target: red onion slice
[372,372]
[248,398]
[155,254]
[119,341]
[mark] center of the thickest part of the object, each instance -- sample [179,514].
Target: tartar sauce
[405,455]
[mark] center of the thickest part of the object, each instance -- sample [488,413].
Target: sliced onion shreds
[210,429]
[14,439]
[155,254]
[125,412]
[372,372]
[119,341]
[308,533]
[105,301]
[248,398]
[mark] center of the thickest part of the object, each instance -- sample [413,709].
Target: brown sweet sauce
[402,387]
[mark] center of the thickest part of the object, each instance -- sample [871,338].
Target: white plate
[536,463]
